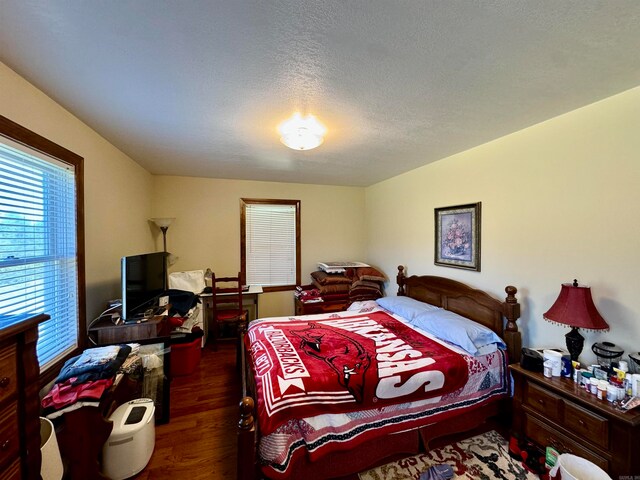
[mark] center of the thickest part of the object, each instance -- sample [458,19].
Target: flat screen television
[143,281]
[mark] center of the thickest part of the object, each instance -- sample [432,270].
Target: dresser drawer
[13,472]
[9,437]
[585,424]
[543,401]
[544,435]
[8,373]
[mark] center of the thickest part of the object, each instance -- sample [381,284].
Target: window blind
[38,251]
[270,244]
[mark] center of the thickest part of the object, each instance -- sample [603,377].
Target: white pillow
[192,281]
[363,306]
[456,329]
[408,308]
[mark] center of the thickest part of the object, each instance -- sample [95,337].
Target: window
[41,247]
[270,243]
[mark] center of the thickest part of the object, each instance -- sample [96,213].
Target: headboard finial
[400,280]
[512,308]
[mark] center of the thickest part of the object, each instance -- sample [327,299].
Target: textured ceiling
[197,88]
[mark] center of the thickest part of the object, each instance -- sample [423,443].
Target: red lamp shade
[575,308]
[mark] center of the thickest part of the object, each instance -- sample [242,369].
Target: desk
[249,299]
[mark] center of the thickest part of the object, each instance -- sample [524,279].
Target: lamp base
[575,342]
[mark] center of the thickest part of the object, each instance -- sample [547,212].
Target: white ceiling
[197,88]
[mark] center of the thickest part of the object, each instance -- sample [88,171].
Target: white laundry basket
[572,467]
[131,443]
[51,467]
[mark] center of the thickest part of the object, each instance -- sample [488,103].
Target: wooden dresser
[19,401]
[319,307]
[556,411]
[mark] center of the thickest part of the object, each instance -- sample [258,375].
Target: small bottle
[602,389]
[623,365]
[628,385]
[612,393]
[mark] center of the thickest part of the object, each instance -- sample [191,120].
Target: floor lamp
[163,224]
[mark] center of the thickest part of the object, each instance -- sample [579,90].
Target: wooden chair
[226,304]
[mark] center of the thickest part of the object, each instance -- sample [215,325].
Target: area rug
[478,458]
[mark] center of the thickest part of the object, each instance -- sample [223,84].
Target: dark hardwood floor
[199,442]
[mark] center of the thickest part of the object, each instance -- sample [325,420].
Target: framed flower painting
[457,242]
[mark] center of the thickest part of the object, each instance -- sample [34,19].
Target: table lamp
[574,307]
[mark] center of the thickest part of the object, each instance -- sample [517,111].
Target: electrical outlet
[162,301]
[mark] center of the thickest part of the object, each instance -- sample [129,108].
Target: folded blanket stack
[85,378]
[350,285]
[332,286]
[367,284]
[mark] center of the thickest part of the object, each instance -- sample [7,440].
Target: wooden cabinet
[319,307]
[556,411]
[19,401]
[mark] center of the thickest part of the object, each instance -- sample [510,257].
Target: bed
[338,432]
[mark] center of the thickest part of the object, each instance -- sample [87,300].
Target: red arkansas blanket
[345,364]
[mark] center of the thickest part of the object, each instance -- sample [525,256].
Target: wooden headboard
[469,302]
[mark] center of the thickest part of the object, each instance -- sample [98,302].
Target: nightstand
[557,412]
[319,307]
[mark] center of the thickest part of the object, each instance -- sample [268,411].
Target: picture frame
[457,236]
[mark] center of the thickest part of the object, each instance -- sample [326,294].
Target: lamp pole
[164,237]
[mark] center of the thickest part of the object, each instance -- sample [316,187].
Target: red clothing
[65,393]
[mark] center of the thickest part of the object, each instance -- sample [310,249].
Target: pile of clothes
[348,285]
[308,294]
[84,379]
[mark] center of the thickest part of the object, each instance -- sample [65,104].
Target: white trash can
[132,440]
[572,467]
[51,466]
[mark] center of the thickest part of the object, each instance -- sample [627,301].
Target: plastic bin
[185,357]
[132,440]
[572,467]
[51,467]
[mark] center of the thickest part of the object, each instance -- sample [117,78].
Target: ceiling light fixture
[302,133]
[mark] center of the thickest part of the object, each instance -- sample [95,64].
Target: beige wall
[206,232]
[117,190]
[560,200]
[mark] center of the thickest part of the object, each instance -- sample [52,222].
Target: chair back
[226,297]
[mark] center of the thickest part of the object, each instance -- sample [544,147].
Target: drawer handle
[582,422]
[4,382]
[5,445]
[541,401]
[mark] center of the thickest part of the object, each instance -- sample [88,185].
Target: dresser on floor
[557,412]
[19,401]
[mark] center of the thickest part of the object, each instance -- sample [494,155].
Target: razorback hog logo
[345,356]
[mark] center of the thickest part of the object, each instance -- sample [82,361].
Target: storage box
[185,357]
[131,443]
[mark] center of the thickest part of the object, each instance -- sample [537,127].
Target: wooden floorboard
[199,442]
